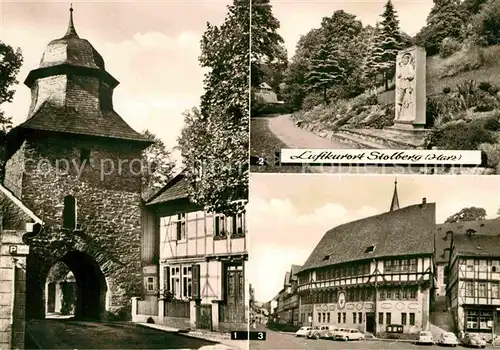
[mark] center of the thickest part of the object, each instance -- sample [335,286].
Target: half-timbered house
[201,261]
[372,273]
[473,285]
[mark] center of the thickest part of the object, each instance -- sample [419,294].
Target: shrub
[492,123]
[446,90]
[311,101]
[449,46]
[492,152]
[460,136]
[486,23]
[485,86]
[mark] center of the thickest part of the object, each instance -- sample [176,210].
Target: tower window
[370,249]
[69,212]
[85,155]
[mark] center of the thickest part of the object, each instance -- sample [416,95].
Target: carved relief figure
[405,88]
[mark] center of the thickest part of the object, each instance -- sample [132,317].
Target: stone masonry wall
[12,319]
[108,200]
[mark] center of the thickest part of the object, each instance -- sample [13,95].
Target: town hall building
[372,273]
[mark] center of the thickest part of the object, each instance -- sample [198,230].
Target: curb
[186,333]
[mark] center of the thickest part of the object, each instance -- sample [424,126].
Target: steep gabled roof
[287,278]
[481,227]
[406,231]
[177,188]
[294,270]
[477,245]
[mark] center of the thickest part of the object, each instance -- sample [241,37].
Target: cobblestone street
[70,334]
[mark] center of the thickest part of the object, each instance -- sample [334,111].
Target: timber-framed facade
[194,262]
[372,273]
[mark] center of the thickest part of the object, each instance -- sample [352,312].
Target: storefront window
[478,320]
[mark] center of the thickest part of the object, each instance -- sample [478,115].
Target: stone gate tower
[76,164]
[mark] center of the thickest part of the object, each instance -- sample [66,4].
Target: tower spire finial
[395,199]
[71,32]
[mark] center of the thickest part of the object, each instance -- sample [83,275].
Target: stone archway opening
[76,286]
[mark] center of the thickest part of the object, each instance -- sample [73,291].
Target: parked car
[310,333]
[349,334]
[473,340]
[425,337]
[320,333]
[302,332]
[331,333]
[337,334]
[448,338]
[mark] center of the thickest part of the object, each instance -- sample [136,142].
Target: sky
[289,213]
[297,17]
[152,48]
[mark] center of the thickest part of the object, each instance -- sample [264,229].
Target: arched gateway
[75,163]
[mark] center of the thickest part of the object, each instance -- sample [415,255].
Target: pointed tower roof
[395,199]
[72,93]
[71,32]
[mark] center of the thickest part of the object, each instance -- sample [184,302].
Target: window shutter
[195,282]
[166,278]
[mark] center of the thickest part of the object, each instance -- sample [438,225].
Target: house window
[354,317]
[388,317]
[413,265]
[360,317]
[380,318]
[84,156]
[344,317]
[220,226]
[382,295]
[387,266]
[413,293]
[319,317]
[238,228]
[403,318]
[328,317]
[69,212]
[180,227]
[412,319]
[482,292]
[186,282]
[150,284]
[175,281]
[338,317]
[495,293]
[469,289]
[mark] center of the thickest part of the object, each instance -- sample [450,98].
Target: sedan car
[339,333]
[310,333]
[331,333]
[473,340]
[319,333]
[349,334]
[425,337]
[302,332]
[448,338]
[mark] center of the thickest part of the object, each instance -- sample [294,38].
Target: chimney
[423,204]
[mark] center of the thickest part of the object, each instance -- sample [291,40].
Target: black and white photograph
[376,75]
[374,262]
[124,174]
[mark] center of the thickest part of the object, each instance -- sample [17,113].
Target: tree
[389,41]
[266,44]
[158,165]
[214,141]
[10,63]
[371,67]
[468,214]
[446,19]
[325,71]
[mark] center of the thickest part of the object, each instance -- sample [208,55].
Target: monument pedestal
[409,128]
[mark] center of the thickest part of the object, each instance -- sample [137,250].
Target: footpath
[224,339]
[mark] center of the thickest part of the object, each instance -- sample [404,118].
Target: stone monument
[410,89]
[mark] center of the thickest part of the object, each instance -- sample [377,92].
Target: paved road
[278,340]
[70,334]
[283,129]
